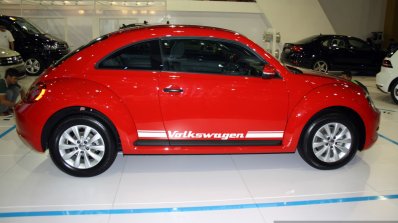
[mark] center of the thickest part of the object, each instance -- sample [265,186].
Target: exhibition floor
[204,188]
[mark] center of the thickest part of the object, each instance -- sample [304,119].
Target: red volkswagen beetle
[189,90]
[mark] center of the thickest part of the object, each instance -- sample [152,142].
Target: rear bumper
[384,78]
[29,125]
[296,61]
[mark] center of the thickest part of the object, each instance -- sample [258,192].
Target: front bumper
[53,55]
[20,67]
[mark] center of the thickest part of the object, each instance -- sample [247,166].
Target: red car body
[205,113]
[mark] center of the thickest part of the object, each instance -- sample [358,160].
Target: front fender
[343,96]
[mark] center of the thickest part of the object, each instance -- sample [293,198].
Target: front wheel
[329,142]
[34,65]
[82,146]
[394,92]
[321,66]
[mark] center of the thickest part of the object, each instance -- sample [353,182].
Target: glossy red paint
[136,104]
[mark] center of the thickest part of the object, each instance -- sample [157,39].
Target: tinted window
[325,43]
[140,56]
[359,44]
[27,27]
[210,56]
[337,43]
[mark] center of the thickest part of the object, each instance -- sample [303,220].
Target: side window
[140,56]
[210,56]
[337,43]
[326,42]
[358,44]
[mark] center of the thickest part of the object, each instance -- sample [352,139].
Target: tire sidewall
[109,154]
[40,62]
[393,96]
[306,149]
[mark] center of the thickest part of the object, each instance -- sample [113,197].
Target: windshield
[27,27]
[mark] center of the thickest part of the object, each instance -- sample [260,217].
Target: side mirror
[269,72]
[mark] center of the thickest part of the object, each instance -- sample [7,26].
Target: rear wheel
[82,146]
[321,66]
[394,92]
[329,142]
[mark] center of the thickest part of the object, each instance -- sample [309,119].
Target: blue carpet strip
[7,131]
[198,208]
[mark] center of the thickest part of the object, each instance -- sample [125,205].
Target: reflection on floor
[202,188]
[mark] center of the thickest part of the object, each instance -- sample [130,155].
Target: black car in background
[326,53]
[37,49]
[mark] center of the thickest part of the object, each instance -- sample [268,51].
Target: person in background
[6,38]
[348,76]
[9,91]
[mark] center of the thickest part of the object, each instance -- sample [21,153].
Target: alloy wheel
[321,66]
[332,142]
[81,146]
[32,65]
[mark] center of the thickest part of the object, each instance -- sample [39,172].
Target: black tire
[34,65]
[394,91]
[93,154]
[321,66]
[311,142]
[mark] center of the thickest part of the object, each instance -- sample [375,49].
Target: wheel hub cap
[332,142]
[81,146]
[32,65]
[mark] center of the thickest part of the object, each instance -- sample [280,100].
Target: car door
[132,73]
[339,55]
[213,94]
[363,54]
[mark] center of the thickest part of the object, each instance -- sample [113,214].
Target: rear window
[307,40]
[392,49]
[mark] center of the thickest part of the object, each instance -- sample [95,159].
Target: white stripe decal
[264,134]
[152,134]
[225,136]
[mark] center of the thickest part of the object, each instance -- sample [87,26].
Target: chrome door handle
[172,90]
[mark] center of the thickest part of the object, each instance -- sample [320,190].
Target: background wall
[78,21]
[355,17]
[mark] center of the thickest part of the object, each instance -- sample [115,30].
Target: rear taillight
[35,93]
[296,49]
[387,63]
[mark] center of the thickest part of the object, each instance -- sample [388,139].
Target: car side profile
[387,78]
[38,49]
[324,53]
[182,89]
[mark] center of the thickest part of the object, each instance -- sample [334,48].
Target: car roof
[9,17]
[188,30]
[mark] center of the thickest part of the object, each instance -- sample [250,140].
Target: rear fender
[88,98]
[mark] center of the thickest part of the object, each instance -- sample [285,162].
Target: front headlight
[371,103]
[51,46]
[10,60]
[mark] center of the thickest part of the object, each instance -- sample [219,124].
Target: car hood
[47,38]
[8,53]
